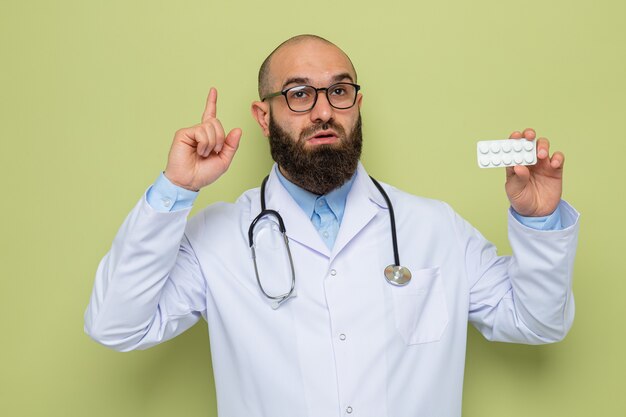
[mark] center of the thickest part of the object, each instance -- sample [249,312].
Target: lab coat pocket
[420,309]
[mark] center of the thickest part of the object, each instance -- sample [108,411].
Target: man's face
[320,148]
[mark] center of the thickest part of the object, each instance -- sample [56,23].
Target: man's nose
[322,111]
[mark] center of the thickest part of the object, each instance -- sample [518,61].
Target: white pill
[529,146]
[506,146]
[483,147]
[495,147]
[495,159]
[507,159]
[529,158]
[518,159]
[517,146]
[484,161]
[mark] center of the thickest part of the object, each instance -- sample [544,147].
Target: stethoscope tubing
[392,220]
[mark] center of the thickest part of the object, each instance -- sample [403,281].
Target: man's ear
[261,113]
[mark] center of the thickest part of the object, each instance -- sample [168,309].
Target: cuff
[164,196]
[550,222]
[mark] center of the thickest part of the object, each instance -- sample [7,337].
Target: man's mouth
[323,137]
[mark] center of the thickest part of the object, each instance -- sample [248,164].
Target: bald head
[289,51]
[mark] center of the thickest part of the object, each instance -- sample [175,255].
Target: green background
[92,93]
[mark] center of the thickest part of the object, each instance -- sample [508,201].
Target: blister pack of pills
[506,153]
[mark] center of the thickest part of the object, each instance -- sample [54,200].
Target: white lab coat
[349,343]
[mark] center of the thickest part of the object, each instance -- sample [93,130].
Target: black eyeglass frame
[317,90]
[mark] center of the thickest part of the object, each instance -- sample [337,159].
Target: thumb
[231,143]
[522,172]
[519,175]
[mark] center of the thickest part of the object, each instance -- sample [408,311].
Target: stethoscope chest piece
[397,275]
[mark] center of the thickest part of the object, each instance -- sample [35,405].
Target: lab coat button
[333,272]
[342,336]
[349,410]
[167,202]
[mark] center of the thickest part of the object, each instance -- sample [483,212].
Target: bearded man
[311,325]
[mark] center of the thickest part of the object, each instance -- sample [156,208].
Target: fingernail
[542,153]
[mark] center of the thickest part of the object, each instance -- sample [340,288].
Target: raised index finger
[211,105]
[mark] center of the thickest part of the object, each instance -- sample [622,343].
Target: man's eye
[338,91]
[298,94]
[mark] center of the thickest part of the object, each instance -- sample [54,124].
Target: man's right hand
[202,153]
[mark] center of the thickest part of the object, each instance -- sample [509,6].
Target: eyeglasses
[302,98]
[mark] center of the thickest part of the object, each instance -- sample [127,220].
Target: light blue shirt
[325,211]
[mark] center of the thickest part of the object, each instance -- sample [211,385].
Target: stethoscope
[395,274]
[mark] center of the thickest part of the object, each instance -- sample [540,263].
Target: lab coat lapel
[297,224]
[363,202]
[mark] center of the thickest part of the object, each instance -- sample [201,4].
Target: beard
[322,168]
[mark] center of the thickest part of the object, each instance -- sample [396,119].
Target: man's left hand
[535,190]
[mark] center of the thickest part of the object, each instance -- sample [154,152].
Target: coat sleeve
[149,287]
[526,297]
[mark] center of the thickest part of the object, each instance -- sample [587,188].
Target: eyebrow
[305,80]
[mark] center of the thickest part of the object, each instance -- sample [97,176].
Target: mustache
[320,126]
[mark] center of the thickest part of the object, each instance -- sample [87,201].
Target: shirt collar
[336,199]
